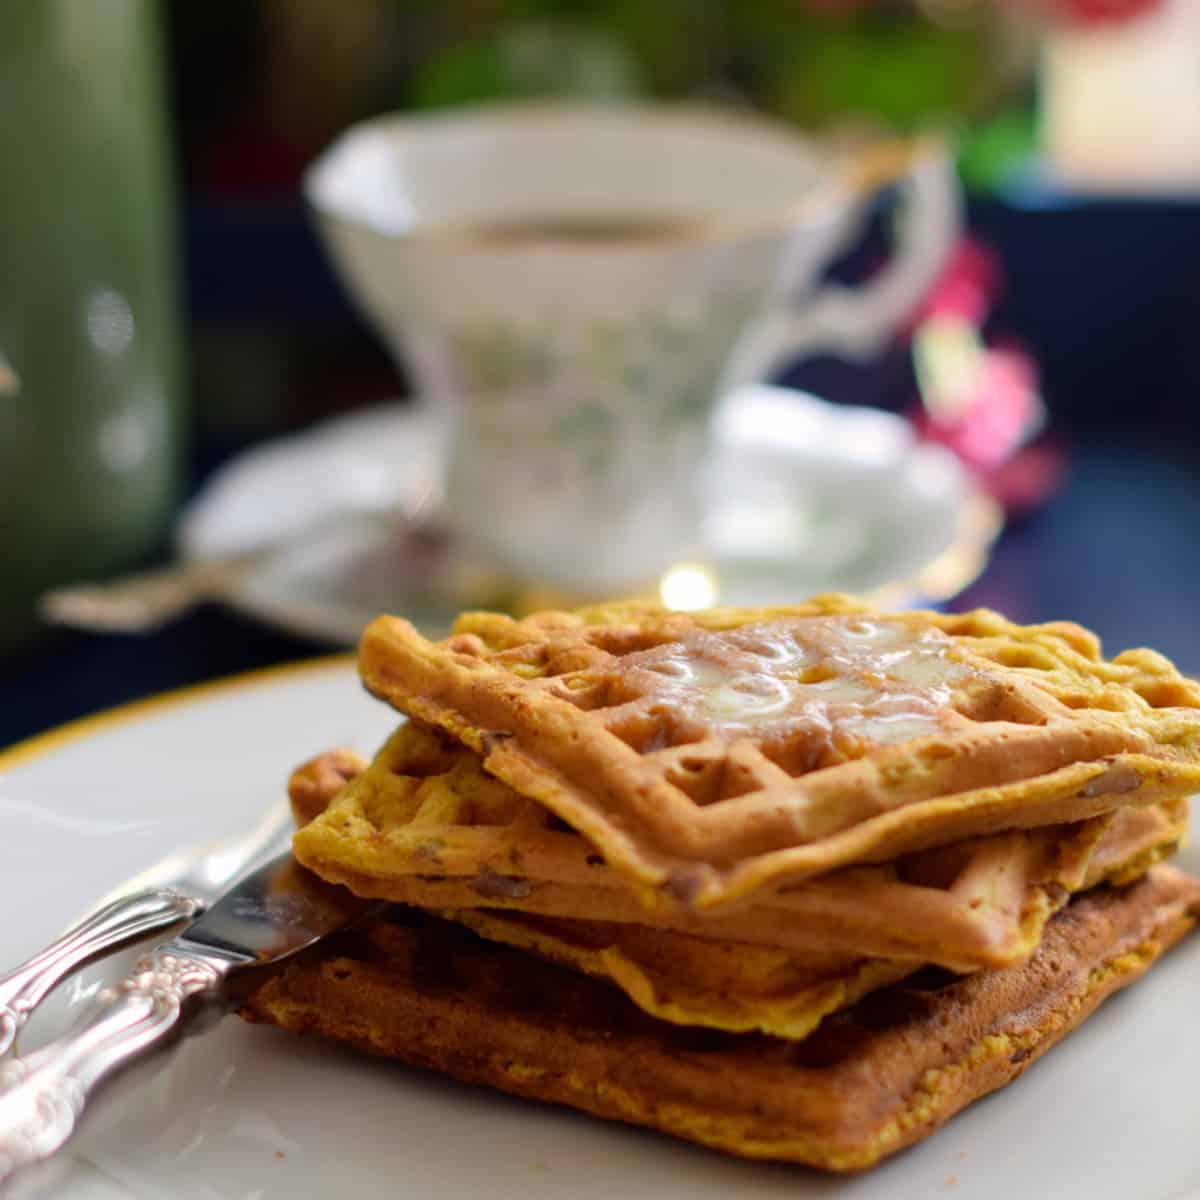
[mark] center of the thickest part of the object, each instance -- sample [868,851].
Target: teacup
[577,286]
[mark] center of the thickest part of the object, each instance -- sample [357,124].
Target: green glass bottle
[90,420]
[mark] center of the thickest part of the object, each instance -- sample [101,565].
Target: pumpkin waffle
[708,756]
[677,977]
[873,1079]
[424,824]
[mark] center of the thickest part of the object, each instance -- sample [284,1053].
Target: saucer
[803,497]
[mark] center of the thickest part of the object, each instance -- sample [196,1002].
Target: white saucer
[805,497]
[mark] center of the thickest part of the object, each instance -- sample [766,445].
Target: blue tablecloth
[1118,550]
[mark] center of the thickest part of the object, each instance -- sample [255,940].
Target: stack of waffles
[794,883]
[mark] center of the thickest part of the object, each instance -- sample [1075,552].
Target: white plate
[1111,1114]
[803,497]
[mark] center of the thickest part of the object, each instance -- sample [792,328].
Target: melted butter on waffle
[840,680]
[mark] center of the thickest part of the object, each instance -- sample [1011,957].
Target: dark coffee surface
[599,228]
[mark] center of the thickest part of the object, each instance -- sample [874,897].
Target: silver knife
[181,987]
[179,887]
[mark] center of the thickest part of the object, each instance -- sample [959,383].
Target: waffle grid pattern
[1044,731]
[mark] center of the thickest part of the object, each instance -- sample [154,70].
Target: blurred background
[165,143]
[1096,284]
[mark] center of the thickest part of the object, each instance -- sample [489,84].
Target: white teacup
[578,285]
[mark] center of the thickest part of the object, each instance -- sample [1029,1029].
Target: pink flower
[1088,12]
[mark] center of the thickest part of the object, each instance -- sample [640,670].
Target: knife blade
[181,987]
[179,887]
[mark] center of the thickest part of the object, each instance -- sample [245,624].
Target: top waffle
[710,754]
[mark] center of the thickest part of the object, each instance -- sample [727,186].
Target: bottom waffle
[873,1079]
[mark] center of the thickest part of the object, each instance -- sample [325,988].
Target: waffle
[676,977]
[709,756]
[873,1079]
[424,824]
[730,985]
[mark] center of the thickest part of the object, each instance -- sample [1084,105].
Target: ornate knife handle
[43,1096]
[108,928]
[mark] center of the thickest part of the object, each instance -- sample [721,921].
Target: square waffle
[425,824]
[709,756]
[873,1079]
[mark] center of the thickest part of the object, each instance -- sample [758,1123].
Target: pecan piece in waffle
[873,1079]
[709,755]
[424,824]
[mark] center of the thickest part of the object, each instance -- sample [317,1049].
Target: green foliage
[901,72]
[811,63]
[529,59]
[808,63]
[996,149]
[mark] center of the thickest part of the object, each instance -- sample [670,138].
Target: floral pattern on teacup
[570,383]
[594,426]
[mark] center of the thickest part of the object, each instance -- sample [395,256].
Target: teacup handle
[856,322]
